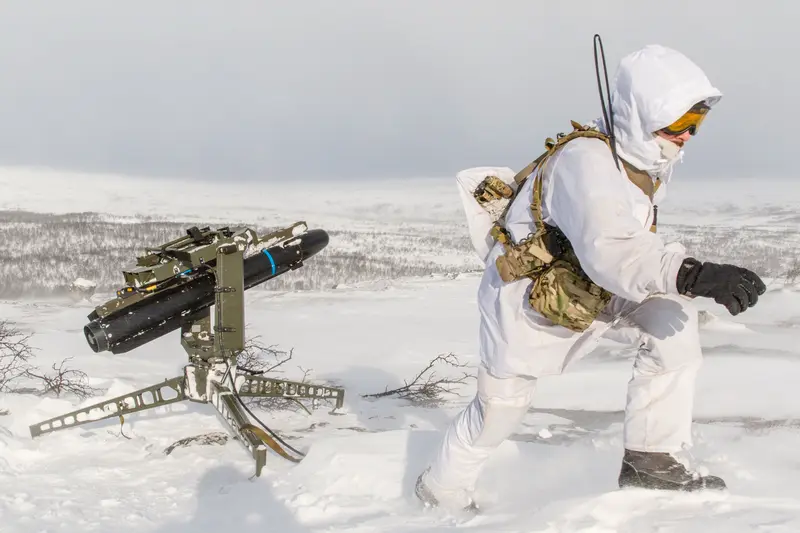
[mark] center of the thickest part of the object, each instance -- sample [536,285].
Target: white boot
[433,495]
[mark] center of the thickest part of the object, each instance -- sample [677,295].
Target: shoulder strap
[645,183]
[641,179]
[552,147]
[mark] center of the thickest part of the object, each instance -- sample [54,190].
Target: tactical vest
[560,291]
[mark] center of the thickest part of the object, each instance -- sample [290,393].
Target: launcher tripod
[212,375]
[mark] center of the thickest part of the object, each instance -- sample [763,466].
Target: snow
[556,474]
[84,283]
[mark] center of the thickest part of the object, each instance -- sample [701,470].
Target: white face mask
[669,149]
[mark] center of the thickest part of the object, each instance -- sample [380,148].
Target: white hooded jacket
[603,214]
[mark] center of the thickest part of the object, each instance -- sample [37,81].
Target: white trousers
[658,411]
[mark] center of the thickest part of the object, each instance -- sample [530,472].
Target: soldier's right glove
[734,287]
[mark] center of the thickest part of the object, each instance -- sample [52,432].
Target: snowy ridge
[379,230]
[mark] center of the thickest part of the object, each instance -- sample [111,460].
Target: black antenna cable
[608,115]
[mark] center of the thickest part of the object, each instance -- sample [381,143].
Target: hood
[652,88]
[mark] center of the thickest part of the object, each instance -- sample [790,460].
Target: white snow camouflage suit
[607,220]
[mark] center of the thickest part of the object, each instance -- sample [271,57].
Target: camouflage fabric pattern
[563,295]
[491,189]
[523,260]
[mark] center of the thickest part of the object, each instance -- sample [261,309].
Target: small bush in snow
[19,374]
[427,387]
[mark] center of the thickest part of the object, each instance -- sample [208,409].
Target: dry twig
[259,359]
[793,272]
[64,380]
[16,366]
[15,355]
[429,389]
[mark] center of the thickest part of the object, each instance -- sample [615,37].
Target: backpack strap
[645,183]
[641,179]
[552,147]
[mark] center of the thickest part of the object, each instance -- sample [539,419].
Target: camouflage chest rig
[560,291]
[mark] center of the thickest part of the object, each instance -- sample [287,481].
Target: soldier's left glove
[734,287]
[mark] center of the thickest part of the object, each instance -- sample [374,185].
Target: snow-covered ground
[557,474]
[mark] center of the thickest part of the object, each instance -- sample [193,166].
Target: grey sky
[288,89]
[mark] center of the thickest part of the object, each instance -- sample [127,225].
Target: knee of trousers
[515,391]
[496,411]
[669,335]
[487,424]
[657,358]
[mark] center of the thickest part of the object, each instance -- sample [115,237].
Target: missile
[163,311]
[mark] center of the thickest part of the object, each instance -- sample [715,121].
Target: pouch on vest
[560,291]
[522,260]
[563,295]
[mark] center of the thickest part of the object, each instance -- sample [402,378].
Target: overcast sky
[369,89]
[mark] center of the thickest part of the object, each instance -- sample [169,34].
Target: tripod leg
[261,387]
[232,413]
[170,391]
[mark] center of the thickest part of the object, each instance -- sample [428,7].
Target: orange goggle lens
[690,121]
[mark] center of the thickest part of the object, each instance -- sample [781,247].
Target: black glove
[734,287]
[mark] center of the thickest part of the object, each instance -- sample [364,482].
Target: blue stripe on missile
[271,261]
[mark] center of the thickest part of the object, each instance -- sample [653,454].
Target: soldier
[590,203]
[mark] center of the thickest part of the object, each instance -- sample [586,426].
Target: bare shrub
[793,271]
[259,359]
[16,356]
[426,388]
[18,374]
[769,253]
[62,380]
[90,246]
